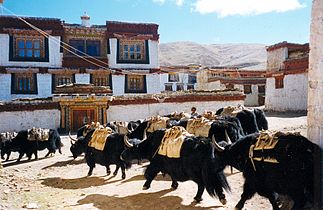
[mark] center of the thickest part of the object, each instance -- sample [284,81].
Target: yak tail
[59,144]
[214,179]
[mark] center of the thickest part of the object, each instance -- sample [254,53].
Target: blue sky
[202,21]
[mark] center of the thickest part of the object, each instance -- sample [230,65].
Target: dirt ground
[61,183]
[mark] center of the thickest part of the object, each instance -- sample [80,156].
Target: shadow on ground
[156,200]
[65,163]
[77,183]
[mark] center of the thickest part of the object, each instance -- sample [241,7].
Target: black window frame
[127,90]
[14,85]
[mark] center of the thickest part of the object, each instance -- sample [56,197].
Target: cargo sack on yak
[261,150]
[172,142]
[38,134]
[199,127]
[156,123]
[232,111]
[99,137]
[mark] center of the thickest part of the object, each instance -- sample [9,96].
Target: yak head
[139,132]
[78,146]
[143,149]
[236,154]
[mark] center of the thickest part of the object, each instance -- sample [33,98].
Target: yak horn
[227,138]
[216,145]
[73,139]
[127,142]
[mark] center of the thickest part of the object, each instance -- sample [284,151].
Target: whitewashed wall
[118,82]
[141,111]
[16,121]
[251,98]
[82,78]
[5,87]
[44,85]
[153,83]
[292,97]
[55,57]
[153,56]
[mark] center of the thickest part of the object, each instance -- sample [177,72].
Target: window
[135,84]
[101,80]
[24,83]
[179,86]
[261,89]
[279,82]
[89,47]
[28,48]
[132,51]
[173,77]
[190,86]
[169,87]
[192,79]
[247,89]
[229,86]
[62,79]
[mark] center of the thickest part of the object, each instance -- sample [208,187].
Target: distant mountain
[247,56]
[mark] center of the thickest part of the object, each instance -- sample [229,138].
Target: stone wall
[276,58]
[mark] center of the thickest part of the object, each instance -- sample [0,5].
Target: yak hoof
[145,188]
[89,174]
[115,173]
[123,176]
[174,186]
[198,199]
[223,201]
[108,173]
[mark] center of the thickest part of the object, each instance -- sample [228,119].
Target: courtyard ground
[60,182]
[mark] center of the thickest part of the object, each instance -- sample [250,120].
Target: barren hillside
[252,56]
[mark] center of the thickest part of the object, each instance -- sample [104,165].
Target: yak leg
[91,163]
[108,169]
[150,173]
[123,170]
[200,190]
[272,196]
[174,183]
[48,153]
[116,171]
[8,155]
[21,154]
[248,192]
[36,154]
[221,195]
[299,201]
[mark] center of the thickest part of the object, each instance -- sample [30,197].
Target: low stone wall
[28,113]
[21,120]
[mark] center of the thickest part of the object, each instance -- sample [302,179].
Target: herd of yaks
[193,148]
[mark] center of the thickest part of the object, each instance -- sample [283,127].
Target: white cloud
[159,1]
[177,2]
[245,7]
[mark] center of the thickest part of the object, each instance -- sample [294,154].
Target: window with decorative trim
[173,77]
[89,47]
[279,82]
[62,79]
[28,48]
[101,80]
[24,83]
[135,84]
[132,51]
[247,89]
